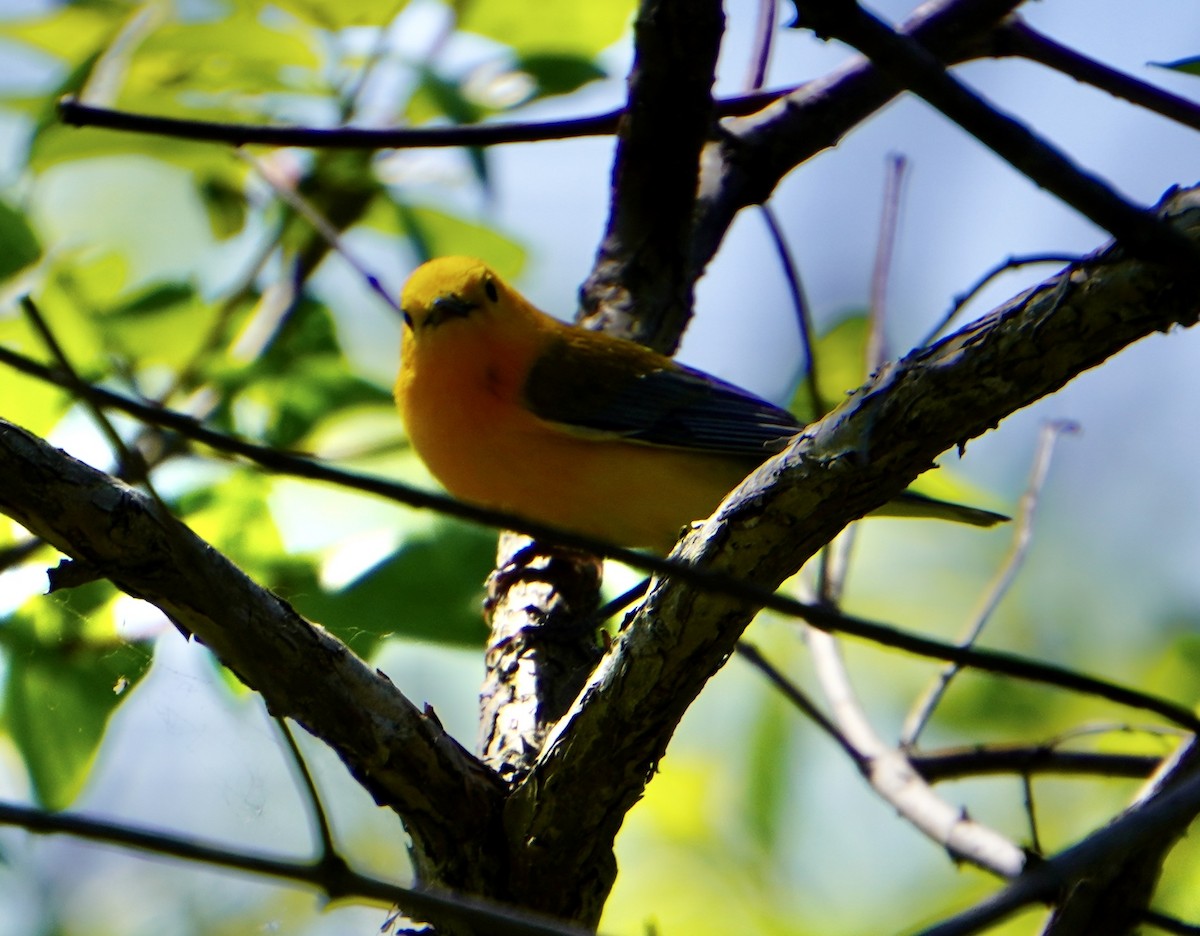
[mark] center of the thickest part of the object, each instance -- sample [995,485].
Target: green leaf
[223,62]
[64,683]
[160,323]
[565,26]
[18,244]
[70,33]
[557,73]
[434,233]
[767,770]
[1189,66]
[841,367]
[342,13]
[299,380]
[224,203]
[430,589]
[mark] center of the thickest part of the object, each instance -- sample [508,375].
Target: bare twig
[793,693]
[984,760]
[971,292]
[881,274]
[889,772]
[131,465]
[923,709]
[764,32]
[915,67]
[491,917]
[75,113]
[800,305]
[328,852]
[1160,817]
[1017,37]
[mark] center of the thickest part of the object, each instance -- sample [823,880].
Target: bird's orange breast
[460,395]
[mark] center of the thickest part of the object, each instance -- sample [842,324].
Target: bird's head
[454,288]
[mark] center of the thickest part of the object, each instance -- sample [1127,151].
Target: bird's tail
[910,504]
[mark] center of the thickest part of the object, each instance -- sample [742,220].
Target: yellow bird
[514,410]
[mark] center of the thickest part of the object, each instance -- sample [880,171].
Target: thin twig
[288,192]
[916,68]
[1017,37]
[923,709]
[132,466]
[964,297]
[748,652]
[1163,816]
[1169,924]
[990,760]
[74,112]
[800,305]
[316,809]
[492,918]
[881,274]
[890,774]
[1035,841]
[764,32]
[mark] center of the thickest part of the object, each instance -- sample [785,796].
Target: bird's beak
[447,307]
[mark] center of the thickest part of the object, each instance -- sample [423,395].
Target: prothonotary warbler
[514,410]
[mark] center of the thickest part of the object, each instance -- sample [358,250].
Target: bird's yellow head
[456,288]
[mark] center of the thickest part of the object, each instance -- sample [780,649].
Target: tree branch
[334,882]
[919,70]
[403,757]
[641,284]
[1131,845]
[599,757]
[1016,37]
[754,153]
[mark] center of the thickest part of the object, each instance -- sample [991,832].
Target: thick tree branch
[602,753]
[403,757]
[754,153]
[641,284]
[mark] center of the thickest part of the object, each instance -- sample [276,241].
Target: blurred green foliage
[246,341]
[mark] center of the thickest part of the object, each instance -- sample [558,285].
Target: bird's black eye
[489,287]
[407,318]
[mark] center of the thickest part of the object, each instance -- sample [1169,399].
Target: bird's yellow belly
[500,456]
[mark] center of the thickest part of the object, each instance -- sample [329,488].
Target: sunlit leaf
[548,25]
[435,233]
[161,323]
[69,33]
[430,589]
[339,14]
[184,63]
